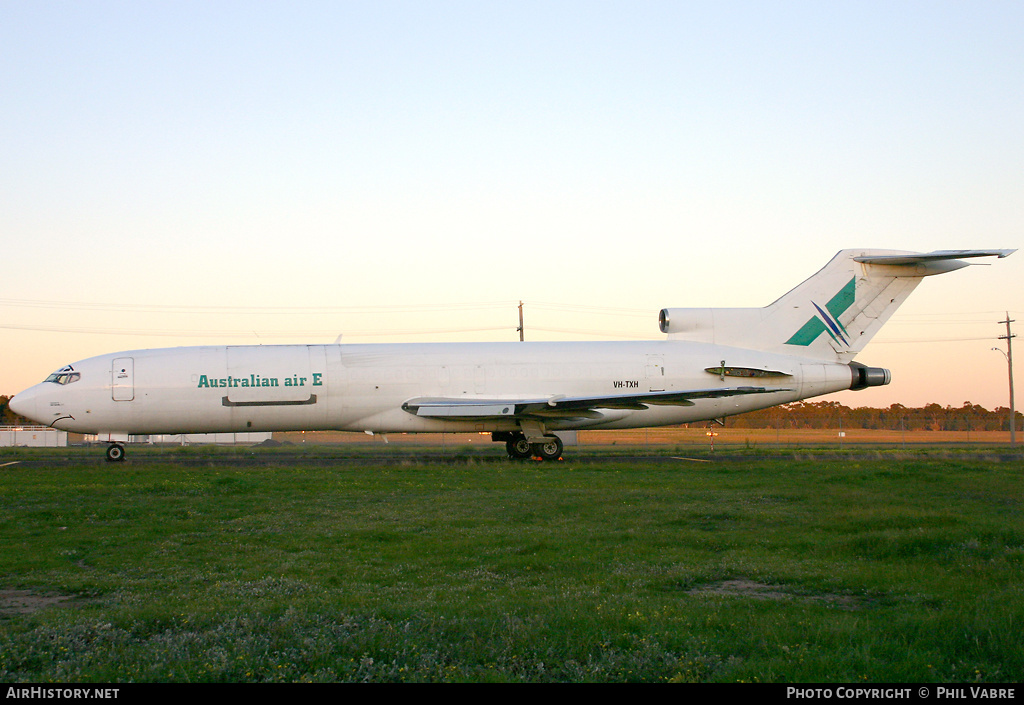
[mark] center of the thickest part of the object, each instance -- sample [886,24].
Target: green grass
[901,568]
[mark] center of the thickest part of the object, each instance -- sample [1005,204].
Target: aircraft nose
[26,404]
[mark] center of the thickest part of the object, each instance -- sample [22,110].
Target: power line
[289,310]
[607,310]
[247,333]
[919,340]
[596,333]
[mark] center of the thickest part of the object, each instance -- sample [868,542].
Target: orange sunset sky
[244,172]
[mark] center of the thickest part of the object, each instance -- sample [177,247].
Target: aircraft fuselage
[364,387]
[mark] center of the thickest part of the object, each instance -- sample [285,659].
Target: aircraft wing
[564,406]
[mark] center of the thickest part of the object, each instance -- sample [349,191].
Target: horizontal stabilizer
[938,255]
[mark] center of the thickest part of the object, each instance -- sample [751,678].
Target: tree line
[896,417]
[8,417]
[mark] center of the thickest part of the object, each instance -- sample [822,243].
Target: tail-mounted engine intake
[685,320]
[864,376]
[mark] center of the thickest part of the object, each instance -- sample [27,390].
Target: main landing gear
[519,448]
[115,453]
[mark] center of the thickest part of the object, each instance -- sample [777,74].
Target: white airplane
[714,363]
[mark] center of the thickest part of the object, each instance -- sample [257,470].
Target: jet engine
[864,376]
[685,320]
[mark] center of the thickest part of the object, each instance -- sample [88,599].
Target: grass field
[694,437]
[185,565]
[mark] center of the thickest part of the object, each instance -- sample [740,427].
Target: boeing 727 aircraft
[714,363]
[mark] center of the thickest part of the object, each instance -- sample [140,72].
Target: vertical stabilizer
[830,316]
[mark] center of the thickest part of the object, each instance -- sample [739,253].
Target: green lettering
[317,379]
[203,382]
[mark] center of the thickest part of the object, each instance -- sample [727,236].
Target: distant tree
[8,417]
[895,417]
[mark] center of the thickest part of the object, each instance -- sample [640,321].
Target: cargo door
[272,375]
[122,379]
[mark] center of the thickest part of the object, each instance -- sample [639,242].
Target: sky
[252,172]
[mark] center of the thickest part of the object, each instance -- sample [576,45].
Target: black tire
[115,453]
[550,449]
[519,448]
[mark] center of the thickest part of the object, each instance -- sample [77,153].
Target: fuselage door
[122,379]
[656,373]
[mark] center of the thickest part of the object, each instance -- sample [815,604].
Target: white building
[32,436]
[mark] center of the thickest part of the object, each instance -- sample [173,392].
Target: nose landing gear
[115,453]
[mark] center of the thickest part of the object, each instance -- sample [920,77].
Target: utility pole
[520,328]
[1009,364]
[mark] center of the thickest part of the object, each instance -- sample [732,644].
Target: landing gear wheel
[115,453]
[519,448]
[550,449]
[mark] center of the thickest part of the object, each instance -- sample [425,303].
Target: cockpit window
[65,375]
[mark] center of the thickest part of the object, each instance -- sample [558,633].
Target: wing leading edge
[564,406]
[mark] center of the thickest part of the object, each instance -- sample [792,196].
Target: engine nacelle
[686,320]
[864,376]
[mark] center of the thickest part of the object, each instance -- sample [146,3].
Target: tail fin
[830,316]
